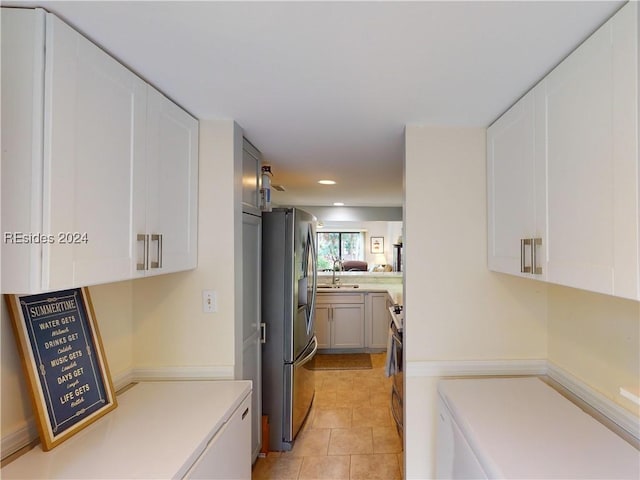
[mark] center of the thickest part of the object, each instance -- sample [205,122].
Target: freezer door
[299,392]
[305,273]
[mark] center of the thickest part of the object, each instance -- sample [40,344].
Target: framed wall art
[377,244]
[63,360]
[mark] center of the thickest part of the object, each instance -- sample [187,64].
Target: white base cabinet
[563,170]
[187,429]
[227,456]
[92,157]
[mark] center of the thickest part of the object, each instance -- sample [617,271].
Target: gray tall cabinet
[251,265]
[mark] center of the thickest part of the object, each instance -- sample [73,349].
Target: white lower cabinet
[339,320]
[225,457]
[182,429]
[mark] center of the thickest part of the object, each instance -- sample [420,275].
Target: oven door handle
[394,394]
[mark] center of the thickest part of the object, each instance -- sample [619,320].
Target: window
[339,245]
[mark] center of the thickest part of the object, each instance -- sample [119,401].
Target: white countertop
[390,282]
[523,428]
[157,431]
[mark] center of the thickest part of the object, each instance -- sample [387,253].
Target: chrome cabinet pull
[535,243]
[157,237]
[523,262]
[143,237]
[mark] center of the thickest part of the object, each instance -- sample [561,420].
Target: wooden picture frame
[377,244]
[64,361]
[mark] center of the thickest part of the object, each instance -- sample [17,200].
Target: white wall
[596,338]
[455,308]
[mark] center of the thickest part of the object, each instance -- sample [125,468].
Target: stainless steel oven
[397,391]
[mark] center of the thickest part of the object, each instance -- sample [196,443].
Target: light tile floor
[349,434]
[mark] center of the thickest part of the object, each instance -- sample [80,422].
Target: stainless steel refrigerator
[288,299]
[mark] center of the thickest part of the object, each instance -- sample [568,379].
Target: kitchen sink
[338,285]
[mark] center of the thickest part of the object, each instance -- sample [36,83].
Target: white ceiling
[324,89]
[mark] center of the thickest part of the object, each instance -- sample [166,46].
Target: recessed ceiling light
[327,182]
[338,204]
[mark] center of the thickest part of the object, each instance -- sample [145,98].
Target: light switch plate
[209,301]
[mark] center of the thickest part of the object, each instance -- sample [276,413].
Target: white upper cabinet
[591,102]
[94,117]
[82,129]
[166,189]
[516,192]
[576,135]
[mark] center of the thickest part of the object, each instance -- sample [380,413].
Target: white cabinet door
[21,135]
[516,191]
[379,321]
[228,455]
[323,328]
[347,326]
[167,186]
[94,119]
[591,109]
[86,145]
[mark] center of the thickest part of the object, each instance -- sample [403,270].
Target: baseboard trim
[18,439]
[458,368]
[224,372]
[602,404]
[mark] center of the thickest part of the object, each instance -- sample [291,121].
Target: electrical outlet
[209,301]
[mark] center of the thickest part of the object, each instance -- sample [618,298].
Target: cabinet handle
[157,237]
[244,414]
[535,243]
[143,237]
[263,332]
[523,264]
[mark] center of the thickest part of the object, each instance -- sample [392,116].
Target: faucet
[337,264]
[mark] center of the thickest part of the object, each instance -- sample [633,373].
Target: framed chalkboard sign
[64,361]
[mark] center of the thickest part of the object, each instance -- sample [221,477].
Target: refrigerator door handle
[308,357]
[314,269]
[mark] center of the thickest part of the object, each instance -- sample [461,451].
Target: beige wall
[113,307]
[170,329]
[158,321]
[596,338]
[455,308]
